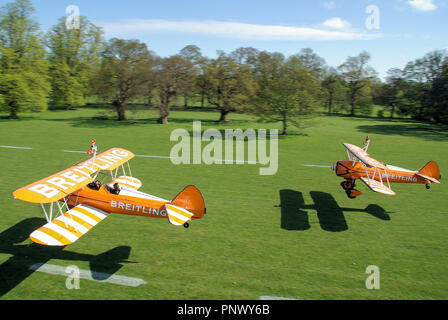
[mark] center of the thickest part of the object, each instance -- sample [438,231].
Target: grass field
[294,234]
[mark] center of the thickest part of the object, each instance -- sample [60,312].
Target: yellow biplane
[74,201]
[376,174]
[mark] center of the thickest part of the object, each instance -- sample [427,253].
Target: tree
[123,73]
[312,62]
[173,76]
[333,89]
[23,67]
[193,54]
[151,85]
[392,93]
[421,75]
[229,86]
[245,56]
[357,74]
[74,57]
[287,92]
[439,96]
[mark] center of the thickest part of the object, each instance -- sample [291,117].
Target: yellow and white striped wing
[177,215]
[377,186]
[129,182]
[69,227]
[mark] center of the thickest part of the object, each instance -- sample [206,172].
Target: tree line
[64,66]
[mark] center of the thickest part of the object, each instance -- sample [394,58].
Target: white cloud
[422,5]
[336,23]
[328,4]
[233,30]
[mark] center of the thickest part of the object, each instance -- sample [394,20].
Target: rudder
[431,170]
[191,199]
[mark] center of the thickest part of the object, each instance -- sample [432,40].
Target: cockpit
[94,185]
[114,189]
[111,188]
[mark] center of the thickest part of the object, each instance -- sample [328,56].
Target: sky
[394,32]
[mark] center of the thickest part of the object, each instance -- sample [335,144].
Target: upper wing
[65,182]
[110,159]
[69,227]
[377,186]
[364,156]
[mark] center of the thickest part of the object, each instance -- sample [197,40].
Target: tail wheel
[186,225]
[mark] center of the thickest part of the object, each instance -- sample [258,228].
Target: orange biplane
[87,201]
[375,174]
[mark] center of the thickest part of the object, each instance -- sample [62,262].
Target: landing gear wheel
[186,225]
[428,186]
[353,193]
[349,194]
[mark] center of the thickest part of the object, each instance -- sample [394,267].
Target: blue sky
[334,29]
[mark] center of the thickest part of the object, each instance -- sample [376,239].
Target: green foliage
[80,64]
[334,92]
[174,75]
[287,92]
[74,57]
[24,82]
[124,73]
[357,74]
[425,80]
[228,85]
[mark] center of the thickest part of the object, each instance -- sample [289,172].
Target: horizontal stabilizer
[428,178]
[377,186]
[128,182]
[177,215]
[69,227]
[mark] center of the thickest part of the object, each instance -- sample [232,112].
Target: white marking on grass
[137,155]
[13,147]
[238,161]
[148,156]
[275,298]
[151,156]
[316,165]
[74,151]
[89,275]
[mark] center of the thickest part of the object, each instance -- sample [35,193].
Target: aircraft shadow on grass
[330,214]
[17,268]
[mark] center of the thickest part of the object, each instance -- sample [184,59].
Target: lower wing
[69,227]
[377,186]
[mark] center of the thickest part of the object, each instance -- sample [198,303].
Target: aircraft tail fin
[190,198]
[430,172]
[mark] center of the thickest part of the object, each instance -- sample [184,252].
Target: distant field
[294,234]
